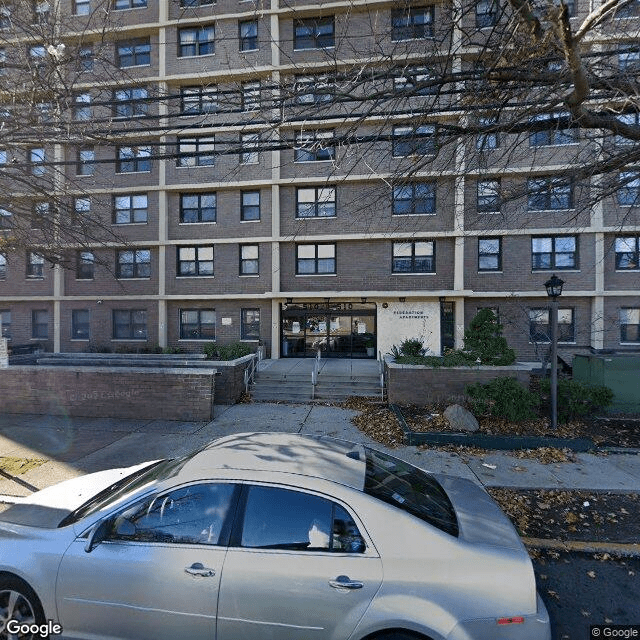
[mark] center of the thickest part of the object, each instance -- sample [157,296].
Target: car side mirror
[97,534]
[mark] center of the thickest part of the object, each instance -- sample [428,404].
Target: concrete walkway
[73,446]
[328,366]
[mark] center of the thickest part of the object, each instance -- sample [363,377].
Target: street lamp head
[554,286]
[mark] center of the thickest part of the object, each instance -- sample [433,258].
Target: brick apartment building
[206,230]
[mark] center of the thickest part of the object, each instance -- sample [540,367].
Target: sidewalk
[74,446]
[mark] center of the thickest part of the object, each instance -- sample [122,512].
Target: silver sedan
[267,537]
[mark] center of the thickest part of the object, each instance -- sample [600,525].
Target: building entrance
[337,329]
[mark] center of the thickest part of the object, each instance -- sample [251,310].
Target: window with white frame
[412,23]
[85,161]
[315,259]
[248,35]
[313,89]
[250,95]
[196,41]
[419,140]
[490,136]
[314,146]
[416,198]
[249,206]
[488,196]
[627,250]
[540,327]
[135,159]
[37,159]
[249,143]
[250,324]
[316,202]
[130,102]
[550,133]
[35,266]
[81,7]
[85,59]
[3,267]
[629,188]
[198,100]
[554,252]
[249,260]
[133,53]
[414,256]
[81,209]
[630,325]
[130,208]
[197,324]
[549,194]
[195,261]
[196,152]
[489,254]
[198,207]
[82,110]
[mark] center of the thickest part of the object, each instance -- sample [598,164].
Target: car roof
[283,453]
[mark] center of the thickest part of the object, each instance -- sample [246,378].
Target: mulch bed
[572,515]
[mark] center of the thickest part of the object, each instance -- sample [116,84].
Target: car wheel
[18,602]
[400,635]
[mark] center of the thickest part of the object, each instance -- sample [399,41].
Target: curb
[612,548]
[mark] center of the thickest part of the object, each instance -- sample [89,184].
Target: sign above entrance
[328,306]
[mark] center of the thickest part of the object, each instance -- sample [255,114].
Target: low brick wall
[230,378]
[411,384]
[118,392]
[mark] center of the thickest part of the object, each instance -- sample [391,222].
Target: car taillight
[512,620]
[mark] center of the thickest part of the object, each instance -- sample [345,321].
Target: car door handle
[198,569]
[344,582]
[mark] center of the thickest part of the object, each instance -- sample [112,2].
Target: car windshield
[408,488]
[157,471]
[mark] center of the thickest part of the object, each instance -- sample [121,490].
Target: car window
[189,515]
[406,487]
[277,518]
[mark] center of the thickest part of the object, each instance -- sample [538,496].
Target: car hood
[48,507]
[480,519]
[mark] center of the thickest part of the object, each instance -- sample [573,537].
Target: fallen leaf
[591,574]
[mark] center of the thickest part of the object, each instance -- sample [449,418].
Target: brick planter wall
[118,392]
[230,378]
[412,384]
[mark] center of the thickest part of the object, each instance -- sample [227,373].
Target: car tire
[18,601]
[401,635]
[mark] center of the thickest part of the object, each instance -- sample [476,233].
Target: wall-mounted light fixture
[402,299]
[289,300]
[363,300]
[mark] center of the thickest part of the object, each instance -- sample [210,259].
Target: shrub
[503,398]
[578,399]
[227,351]
[483,340]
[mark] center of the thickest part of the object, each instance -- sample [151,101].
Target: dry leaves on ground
[376,420]
[17,466]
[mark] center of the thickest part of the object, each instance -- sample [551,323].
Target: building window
[37,55]
[486,13]
[629,59]
[5,219]
[249,206]
[490,138]
[82,107]
[553,135]
[198,207]
[129,324]
[40,324]
[37,159]
[249,260]
[35,266]
[488,196]
[196,152]
[130,102]
[85,265]
[3,156]
[129,4]
[315,202]
[133,53]
[628,253]
[549,194]
[414,257]
[196,41]
[3,266]
[628,9]
[313,146]
[80,324]
[81,209]
[196,3]
[313,89]
[249,145]
[250,324]
[198,100]
[631,120]
[248,35]
[5,324]
[85,59]
[417,140]
[130,209]
[133,160]
[314,33]
[629,189]
[540,328]
[630,325]
[133,263]
[315,259]
[418,198]
[85,161]
[250,96]
[41,217]
[414,81]
[81,7]
[489,254]
[5,17]
[554,252]
[411,23]
[197,324]
[195,261]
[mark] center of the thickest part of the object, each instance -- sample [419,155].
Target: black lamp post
[554,289]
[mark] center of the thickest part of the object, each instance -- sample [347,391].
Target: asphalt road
[580,591]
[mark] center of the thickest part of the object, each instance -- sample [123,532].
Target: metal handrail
[314,374]
[250,373]
[381,369]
